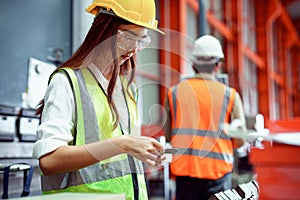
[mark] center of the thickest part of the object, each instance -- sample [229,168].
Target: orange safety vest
[199,109]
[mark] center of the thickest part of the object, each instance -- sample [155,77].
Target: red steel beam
[264,10]
[219,26]
[253,57]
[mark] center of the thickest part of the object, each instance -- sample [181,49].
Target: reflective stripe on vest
[94,122]
[204,150]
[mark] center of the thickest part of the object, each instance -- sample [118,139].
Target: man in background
[198,108]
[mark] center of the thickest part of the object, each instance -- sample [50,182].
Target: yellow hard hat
[139,12]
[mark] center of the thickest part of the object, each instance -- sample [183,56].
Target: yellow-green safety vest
[94,122]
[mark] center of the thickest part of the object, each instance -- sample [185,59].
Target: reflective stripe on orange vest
[199,109]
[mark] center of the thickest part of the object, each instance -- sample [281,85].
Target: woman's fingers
[159,147]
[152,156]
[156,160]
[151,163]
[147,149]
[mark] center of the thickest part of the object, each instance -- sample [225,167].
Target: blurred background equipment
[8,120]
[27,125]
[57,58]
[38,76]
[245,191]
[8,169]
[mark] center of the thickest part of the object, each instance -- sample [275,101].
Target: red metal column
[296,82]
[263,84]
[170,21]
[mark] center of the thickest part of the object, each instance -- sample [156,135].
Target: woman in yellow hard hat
[89,139]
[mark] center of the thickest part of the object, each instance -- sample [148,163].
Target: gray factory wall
[31,28]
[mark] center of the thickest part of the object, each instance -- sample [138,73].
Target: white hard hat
[208,46]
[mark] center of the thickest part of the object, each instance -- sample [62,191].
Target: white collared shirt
[58,115]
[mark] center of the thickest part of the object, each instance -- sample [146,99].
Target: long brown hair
[104,27]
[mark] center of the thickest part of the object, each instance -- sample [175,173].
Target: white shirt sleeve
[57,118]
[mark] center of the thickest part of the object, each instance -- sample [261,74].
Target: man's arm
[238,113]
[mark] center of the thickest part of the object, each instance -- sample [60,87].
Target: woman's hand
[146,149]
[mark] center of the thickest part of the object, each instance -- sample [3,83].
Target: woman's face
[131,39]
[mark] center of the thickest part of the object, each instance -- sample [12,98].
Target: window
[250,90]
[249,84]
[191,36]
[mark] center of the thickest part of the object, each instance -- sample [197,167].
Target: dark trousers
[200,189]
